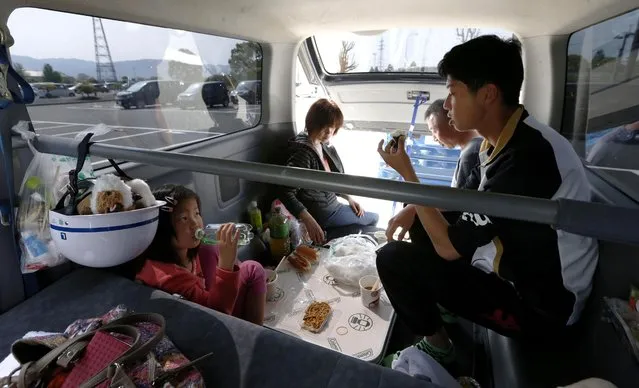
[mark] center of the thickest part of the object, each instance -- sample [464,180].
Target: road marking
[115,127]
[57,126]
[128,136]
[164,109]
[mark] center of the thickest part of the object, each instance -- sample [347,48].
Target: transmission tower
[104,69]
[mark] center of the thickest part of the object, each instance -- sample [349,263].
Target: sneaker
[446,315]
[442,356]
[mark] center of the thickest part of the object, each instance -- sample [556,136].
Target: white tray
[352,329]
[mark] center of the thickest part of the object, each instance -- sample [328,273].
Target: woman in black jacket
[320,210]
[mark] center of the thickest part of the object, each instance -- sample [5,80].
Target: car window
[601,111]
[126,56]
[394,50]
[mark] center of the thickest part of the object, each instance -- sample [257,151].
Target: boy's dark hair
[435,108]
[323,114]
[161,249]
[485,60]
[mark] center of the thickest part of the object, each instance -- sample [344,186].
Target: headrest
[5,36]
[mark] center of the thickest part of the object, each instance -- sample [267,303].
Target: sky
[71,36]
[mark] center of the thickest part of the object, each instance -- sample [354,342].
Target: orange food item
[316,315]
[299,262]
[308,253]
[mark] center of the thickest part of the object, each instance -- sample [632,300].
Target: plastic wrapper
[352,257]
[45,182]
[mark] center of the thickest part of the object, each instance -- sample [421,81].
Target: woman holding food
[320,210]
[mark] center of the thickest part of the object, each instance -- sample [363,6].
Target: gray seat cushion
[245,355]
[593,348]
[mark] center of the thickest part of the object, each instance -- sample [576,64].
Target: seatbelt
[10,294]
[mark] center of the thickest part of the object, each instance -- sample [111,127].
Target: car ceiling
[290,21]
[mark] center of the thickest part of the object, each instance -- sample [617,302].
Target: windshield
[136,86]
[394,50]
[193,88]
[244,86]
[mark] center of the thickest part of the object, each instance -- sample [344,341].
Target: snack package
[316,316]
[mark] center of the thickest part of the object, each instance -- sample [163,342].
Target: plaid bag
[117,349]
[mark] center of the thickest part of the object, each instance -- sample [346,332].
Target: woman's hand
[357,208]
[315,231]
[397,158]
[227,237]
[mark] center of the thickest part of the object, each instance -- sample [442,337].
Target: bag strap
[133,354]
[72,188]
[120,172]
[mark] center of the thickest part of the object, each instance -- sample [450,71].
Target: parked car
[434,164]
[144,93]
[249,91]
[40,93]
[52,90]
[207,93]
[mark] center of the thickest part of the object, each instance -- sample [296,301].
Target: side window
[102,76]
[601,112]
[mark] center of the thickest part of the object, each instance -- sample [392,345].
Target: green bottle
[255,215]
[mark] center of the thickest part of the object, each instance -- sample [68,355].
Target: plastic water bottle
[255,215]
[207,236]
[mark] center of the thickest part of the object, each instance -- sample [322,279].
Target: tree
[346,57]
[390,68]
[81,77]
[86,89]
[67,79]
[600,59]
[50,75]
[125,79]
[246,61]
[466,34]
[413,64]
[20,69]
[185,72]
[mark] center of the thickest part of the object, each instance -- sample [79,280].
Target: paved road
[157,127]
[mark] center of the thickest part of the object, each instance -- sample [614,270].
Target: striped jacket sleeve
[288,195]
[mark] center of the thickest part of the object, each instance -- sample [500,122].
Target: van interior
[275,59]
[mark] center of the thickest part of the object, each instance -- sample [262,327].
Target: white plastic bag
[352,257]
[44,183]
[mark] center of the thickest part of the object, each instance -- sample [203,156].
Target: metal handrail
[590,219]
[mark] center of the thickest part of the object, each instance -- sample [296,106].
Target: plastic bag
[44,183]
[352,257]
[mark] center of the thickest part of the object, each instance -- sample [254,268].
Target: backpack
[116,350]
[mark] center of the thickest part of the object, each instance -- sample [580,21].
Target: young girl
[204,274]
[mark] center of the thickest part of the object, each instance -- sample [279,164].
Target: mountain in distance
[133,68]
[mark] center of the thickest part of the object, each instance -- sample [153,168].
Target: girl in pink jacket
[208,275]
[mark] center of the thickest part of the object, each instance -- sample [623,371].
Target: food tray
[351,328]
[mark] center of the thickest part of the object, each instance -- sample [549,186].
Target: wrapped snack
[299,263]
[310,254]
[395,135]
[316,316]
